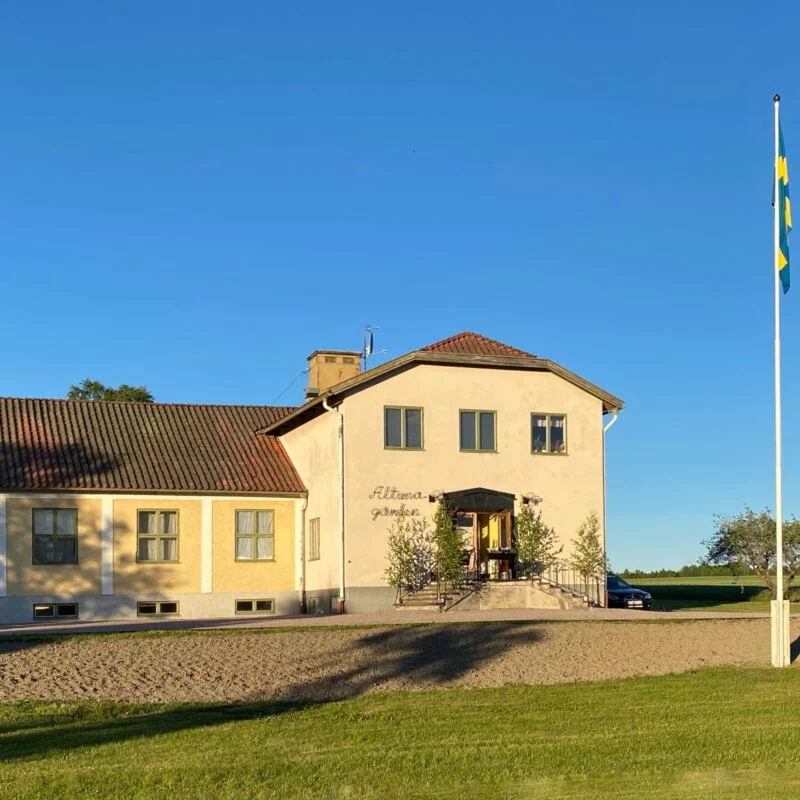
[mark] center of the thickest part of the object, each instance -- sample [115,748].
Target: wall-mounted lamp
[434,497]
[531,497]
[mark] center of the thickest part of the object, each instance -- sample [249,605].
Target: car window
[616,583]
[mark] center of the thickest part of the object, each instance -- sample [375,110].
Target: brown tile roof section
[474,344]
[91,444]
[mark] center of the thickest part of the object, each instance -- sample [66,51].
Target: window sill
[255,560]
[254,613]
[55,563]
[408,449]
[461,450]
[543,453]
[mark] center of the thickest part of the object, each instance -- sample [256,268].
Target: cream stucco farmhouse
[118,510]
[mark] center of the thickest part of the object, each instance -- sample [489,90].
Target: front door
[495,557]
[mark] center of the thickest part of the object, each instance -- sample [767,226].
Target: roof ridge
[138,403]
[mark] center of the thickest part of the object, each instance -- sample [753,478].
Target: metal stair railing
[563,576]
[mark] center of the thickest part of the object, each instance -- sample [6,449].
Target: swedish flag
[784,214]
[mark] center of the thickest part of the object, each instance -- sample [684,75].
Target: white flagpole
[779,615]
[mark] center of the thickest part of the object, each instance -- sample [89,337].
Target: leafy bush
[411,554]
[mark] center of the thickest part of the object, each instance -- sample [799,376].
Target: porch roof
[479,499]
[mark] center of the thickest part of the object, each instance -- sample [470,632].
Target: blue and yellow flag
[784,214]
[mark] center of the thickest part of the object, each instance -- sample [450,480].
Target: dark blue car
[622,595]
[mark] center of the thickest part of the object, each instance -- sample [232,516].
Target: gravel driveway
[336,663]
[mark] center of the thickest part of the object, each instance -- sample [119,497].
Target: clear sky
[193,196]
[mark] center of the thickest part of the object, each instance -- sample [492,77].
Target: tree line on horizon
[700,569]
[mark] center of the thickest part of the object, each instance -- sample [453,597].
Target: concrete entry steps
[496,595]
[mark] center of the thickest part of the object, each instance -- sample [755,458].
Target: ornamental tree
[536,543]
[410,554]
[588,557]
[448,544]
[746,542]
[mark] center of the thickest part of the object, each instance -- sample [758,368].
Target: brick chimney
[326,368]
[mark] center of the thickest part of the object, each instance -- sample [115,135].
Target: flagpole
[779,617]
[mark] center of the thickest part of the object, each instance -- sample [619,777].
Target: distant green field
[716,593]
[717,733]
[712,580]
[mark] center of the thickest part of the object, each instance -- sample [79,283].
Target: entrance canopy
[479,499]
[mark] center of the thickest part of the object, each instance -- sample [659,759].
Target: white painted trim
[164,496]
[206,545]
[106,546]
[3,545]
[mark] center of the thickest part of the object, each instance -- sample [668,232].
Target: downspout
[606,428]
[340,603]
[302,597]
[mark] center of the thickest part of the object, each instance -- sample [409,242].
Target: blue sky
[196,195]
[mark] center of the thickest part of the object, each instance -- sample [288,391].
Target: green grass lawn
[729,733]
[717,593]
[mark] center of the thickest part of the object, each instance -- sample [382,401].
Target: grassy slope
[717,593]
[712,733]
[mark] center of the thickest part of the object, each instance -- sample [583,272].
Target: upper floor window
[255,535]
[313,539]
[402,428]
[157,534]
[478,431]
[549,433]
[55,536]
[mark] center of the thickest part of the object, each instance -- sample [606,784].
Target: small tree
[94,390]
[448,543]
[410,554]
[588,556]
[537,543]
[746,542]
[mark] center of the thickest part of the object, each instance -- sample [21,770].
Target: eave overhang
[337,393]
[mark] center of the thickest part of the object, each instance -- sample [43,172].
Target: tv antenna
[369,344]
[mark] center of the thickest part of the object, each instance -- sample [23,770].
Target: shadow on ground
[794,650]
[674,597]
[416,657]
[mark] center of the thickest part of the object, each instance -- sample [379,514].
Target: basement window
[255,606]
[157,608]
[55,611]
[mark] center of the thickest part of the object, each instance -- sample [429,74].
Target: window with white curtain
[549,434]
[157,534]
[255,535]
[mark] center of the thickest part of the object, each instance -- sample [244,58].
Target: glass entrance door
[496,558]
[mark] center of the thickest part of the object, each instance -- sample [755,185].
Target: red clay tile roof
[91,444]
[475,344]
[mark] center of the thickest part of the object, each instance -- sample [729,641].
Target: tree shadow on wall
[407,658]
[69,467]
